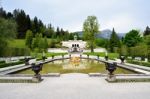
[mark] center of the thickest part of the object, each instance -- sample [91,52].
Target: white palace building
[74,45]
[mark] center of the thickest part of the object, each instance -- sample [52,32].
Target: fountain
[75,61]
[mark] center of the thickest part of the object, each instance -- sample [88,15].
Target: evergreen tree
[114,41]
[66,35]
[147,40]
[22,22]
[41,27]
[35,42]
[35,25]
[57,32]
[45,43]
[50,32]
[147,31]
[40,43]
[52,43]
[3,13]
[9,15]
[7,32]
[71,36]
[28,22]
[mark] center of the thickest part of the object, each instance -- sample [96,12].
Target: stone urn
[70,56]
[36,68]
[88,56]
[62,56]
[43,58]
[122,58]
[80,56]
[106,58]
[97,56]
[52,56]
[111,67]
[26,61]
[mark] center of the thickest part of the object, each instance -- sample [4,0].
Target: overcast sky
[123,15]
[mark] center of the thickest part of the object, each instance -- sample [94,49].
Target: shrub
[139,63]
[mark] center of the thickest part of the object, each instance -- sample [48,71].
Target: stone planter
[111,67]
[36,69]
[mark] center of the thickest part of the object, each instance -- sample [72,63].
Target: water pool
[67,66]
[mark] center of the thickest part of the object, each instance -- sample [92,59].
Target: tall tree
[45,43]
[35,41]
[147,31]
[9,15]
[22,22]
[132,38]
[35,25]
[71,36]
[147,40]
[3,13]
[114,41]
[40,43]
[29,37]
[49,31]
[41,27]
[7,32]
[58,32]
[90,28]
[28,22]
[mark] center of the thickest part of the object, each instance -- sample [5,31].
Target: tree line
[25,23]
[19,25]
[134,44]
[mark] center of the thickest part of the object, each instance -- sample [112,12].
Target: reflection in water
[74,63]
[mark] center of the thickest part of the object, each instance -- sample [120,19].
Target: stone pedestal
[111,78]
[36,78]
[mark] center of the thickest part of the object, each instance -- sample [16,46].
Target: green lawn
[39,55]
[17,43]
[20,43]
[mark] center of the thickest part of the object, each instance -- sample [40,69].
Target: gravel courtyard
[74,86]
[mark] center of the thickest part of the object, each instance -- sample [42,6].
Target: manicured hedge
[16,52]
[1,62]
[10,64]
